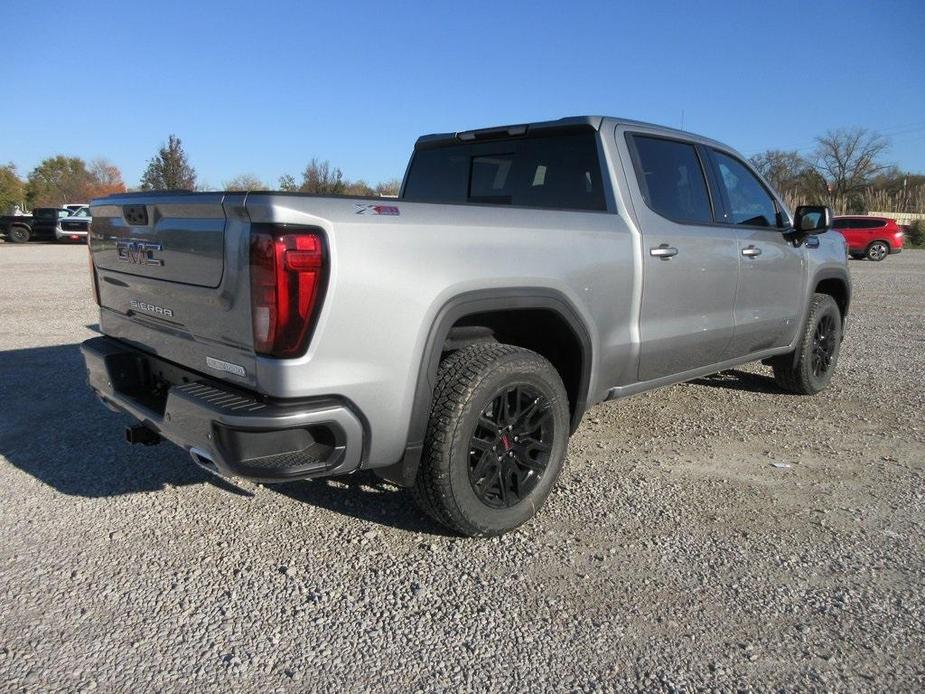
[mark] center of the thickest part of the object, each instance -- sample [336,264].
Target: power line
[895,131]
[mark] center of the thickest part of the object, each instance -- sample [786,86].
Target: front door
[771,268]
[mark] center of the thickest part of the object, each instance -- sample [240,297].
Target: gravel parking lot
[716,534]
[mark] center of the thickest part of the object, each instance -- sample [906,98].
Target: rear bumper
[226,430]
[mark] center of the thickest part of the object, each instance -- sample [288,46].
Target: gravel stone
[672,556]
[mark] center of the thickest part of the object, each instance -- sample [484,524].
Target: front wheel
[877,251]
[20,234]
[496,439]
[810,369]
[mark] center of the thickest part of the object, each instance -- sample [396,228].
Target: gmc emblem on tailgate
[138,252]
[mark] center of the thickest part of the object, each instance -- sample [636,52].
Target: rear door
[690,264]
[873,230]
[769,299]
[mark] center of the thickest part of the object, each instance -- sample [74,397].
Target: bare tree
[245,182]
[389,188]
[359,187]
[288,184]
[848,159]
[320,177]
[782,169]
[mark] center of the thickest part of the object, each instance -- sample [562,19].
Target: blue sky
[263,87]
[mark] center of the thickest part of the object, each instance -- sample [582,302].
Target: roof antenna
[682,119]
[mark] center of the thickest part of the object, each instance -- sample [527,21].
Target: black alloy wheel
[823,345]
[510,447]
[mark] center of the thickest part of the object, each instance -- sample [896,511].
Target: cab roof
[568,124]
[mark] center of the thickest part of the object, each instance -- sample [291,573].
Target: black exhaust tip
[142,434]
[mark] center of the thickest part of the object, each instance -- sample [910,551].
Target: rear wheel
[496,439]
[20,234]
[809,370]
[877,251]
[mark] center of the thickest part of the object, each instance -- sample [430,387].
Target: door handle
[751,251]
[664,251]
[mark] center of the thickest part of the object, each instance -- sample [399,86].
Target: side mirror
[812,219]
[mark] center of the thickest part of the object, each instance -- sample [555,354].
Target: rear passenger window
[749,202]
[671,179]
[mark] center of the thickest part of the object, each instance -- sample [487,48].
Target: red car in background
[871,237]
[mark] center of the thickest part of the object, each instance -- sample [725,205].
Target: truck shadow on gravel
[52,427]
[365,497]
[733,379]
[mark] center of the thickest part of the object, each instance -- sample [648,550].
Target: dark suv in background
[871,237]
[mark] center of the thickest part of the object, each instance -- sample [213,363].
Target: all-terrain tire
[817,352]
[475,388]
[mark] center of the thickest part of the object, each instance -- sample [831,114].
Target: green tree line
[61,179]
[58,180]
[846,170]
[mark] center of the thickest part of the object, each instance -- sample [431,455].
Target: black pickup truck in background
[46,224]
[16,228]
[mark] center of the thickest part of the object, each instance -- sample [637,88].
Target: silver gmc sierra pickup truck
[451,339]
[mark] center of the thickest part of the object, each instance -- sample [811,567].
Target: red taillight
[287,278]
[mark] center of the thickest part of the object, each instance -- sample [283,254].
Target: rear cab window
[560,171]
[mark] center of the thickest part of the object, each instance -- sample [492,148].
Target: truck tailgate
[165,284]
[175,237]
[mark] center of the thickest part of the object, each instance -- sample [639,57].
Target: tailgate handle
[135,215]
